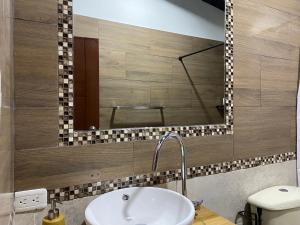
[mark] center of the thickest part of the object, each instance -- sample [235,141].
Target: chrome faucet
[178,138]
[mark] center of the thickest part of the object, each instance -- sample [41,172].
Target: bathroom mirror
[140,64]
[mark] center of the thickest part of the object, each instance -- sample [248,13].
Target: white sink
[145,206]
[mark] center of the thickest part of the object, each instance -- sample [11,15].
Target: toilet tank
[280,205]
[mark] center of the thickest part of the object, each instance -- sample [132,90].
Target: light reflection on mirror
[148,63]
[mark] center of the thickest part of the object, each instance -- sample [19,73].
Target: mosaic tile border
[98,188]
[70,137]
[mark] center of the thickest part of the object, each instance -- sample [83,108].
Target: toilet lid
[277,198]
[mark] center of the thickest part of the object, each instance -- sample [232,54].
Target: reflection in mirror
[147,63]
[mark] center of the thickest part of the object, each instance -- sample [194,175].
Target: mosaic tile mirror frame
[70,137]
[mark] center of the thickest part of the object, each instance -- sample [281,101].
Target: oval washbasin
[140,206]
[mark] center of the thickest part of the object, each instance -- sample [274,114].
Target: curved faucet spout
[162,140]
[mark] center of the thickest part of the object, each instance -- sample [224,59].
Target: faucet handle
[197,204]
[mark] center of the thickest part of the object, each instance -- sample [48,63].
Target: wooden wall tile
[265,47]
[247,132]
[276,129]
[148,76]
[261,131]
[279,80]
[266,40]
[35,55]
[200,151]
[86,27]
[207,150]
[289,6]
[209,115]
[112,64]
[114,93]
[143,155]
[294,32]
[125,38]
[247,78]
[6,172]
[74,165]
[269,23]
[36,127]
[6,129]
[44,11]
[123,117]
[148,63]
[169,45]
[205,70]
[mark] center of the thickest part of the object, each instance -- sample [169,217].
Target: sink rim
[189,217]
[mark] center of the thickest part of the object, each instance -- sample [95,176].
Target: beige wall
[266,54]
[140,67]
[6,112]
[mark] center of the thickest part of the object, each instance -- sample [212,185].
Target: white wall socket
[30,200]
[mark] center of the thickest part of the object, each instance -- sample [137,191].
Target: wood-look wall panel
[148,63]
[247,132]
[170,45]
[274,140]
[122,96]
[6,128]
[289,6]
[148,76]
[200,151]
[143,154]
[204,70]
[247,79]
[35,66]
[264,47]
[274,20]
[112,63]
[88,27]
[269,23]
[90,163]
[124,117]
[44,11]
[294,30]
[6,181]
[208,116]
[279,80]
[258,131]
[125,38]
[210,95]
[36,128]
[262,131]
[206,150]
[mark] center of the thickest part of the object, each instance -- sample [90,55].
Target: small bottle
[54,217]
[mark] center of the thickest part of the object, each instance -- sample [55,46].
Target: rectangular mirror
[132,70]
[142,63]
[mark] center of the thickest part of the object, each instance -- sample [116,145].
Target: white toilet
[279,205]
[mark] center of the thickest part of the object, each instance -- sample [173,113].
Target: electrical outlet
[30,200]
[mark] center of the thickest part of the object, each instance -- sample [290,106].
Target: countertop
[208,217]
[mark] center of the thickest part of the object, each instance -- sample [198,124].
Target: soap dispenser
[54,216]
